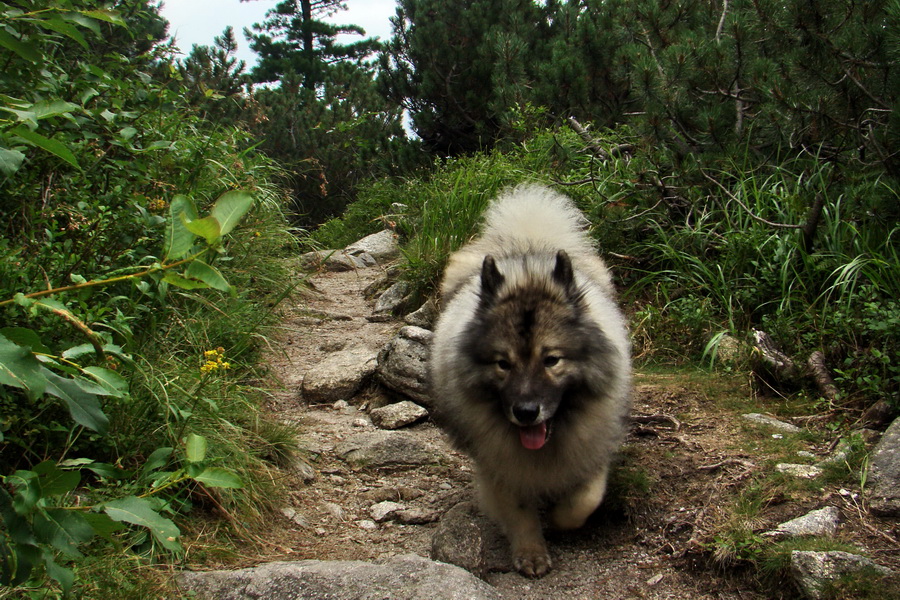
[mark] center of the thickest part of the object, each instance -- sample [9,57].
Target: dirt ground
[688,459]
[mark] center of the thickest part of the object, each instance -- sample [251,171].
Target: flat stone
[403,364]
[772,422]
[399,414]
[813,571]
[407,577]
[385,510]
[822,522]
[387,448]
[802,471]
[884,474]
[339,375]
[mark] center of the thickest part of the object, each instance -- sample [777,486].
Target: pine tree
[293,40]
[214,79]
[458,67]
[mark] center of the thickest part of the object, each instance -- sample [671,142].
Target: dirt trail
[685,465]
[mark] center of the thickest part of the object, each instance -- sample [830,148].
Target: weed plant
[132,325]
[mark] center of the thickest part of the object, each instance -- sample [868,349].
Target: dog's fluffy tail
[531,218]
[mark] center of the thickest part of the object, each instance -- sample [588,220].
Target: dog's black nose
[526,414]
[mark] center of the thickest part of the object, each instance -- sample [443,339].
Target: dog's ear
[562,272]
[491,278]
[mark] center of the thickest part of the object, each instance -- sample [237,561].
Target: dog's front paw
[532,561]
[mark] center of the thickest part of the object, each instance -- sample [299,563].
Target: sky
[199,21]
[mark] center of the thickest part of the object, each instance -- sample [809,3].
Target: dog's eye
[551,361]
[504,365]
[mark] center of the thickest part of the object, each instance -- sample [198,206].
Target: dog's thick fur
[530,367]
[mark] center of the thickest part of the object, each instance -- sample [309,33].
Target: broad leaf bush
[141,245]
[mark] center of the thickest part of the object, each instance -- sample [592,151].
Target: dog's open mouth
[533,437]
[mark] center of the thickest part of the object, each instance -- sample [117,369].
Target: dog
[530,367]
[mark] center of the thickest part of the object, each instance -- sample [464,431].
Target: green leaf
[19,368]
[110,16]
[207,227]
[183,282]
[52,108]
[219,477]
[63,529]
[157,459]
[208,275]
[179,239]
[24,337]
[139,511]
[103,525]
[112,383]
[55,481]
[83,406]
[50,145]
[26,50]
[230,208]
[10,161]
[195,448]
[65,577]
[28,491]
[60,26]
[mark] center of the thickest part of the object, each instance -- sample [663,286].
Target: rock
[303,470]
[367,524]
[416,516]
[884,474]
[400,414]
[468,539]
[802,471]
[381,246]
[335,260]
[424,317]
[292,515]
[384,510]
[877,415]
[387,448]
[813,571]
[339,375]
[772,422]
[407,577]
[822,522]
[403,364]
[394,299]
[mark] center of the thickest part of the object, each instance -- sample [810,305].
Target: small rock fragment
[772,422]
[400,414]
[384,510]
[802,471]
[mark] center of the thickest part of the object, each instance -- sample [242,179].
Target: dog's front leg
[522,526]
[573,510]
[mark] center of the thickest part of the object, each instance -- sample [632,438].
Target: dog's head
[530,341]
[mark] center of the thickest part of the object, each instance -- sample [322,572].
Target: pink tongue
[533,437]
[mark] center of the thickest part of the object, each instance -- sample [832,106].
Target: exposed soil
[688,457]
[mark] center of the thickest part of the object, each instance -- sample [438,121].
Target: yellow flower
[215,360]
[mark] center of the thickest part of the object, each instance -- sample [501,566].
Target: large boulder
[339,375]
[884,474]
[403,364]
[814,571]
[407,577]
[381,246]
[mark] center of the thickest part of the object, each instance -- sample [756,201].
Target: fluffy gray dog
[530,367]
